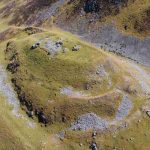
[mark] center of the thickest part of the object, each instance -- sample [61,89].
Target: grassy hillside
[64,78]
[40,77]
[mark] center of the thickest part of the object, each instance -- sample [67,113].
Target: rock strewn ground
[92,121]
[108,37]
[111,39]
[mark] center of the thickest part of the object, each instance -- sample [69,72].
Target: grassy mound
[39,78]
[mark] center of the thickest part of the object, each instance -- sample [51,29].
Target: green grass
[41,78]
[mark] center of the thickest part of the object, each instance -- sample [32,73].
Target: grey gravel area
[89,121]
[124,108]
[51,47]
[68,91]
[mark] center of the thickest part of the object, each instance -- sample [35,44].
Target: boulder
[76,48]
[65,50]
[34,46]
[30,114]
[94,134]
[59,43]
[42,118]
[13,66]
[93,146]
[148,113]
[87,86]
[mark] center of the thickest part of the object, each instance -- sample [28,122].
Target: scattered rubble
[53,47]
[124,108]
[101,72]
[59,43]
[89,121]
[92,121]
[120,44]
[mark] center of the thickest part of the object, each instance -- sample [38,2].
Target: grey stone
[76,48]
[93,146]
[148,113]
[36,45]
